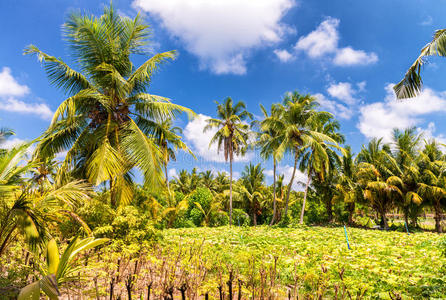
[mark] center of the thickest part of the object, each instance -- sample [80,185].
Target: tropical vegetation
[107,220]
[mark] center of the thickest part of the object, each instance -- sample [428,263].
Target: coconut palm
[107,122]
[406,155]
[347,188]
[4,134]
[27,209]
[378,173]
[252,189]
[318,157]
[231,136]
[295,119]
[168,137]
[269,141]
[207,180]
[410,86]
[433,179]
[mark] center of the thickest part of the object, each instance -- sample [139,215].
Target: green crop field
[311,259]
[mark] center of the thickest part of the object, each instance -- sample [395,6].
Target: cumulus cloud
[13,105]
[338,109]
[344,98]
[199,141]
[9,85]
[321,41]
[324,40]
[348,57]
[343,91]
[221,32]
[283,55]
[379,118]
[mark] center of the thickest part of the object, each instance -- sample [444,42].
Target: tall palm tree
[407,157]
[252,188]
[295,120]
[107,122]
[269,141]
[168,137]
[318,155]
[231,136]
[410,86]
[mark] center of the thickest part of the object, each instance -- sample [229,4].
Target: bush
[240,217]
[219,218]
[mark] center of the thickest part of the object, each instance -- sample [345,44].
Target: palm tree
[23,208]
[4,134]
[252,189]
[410,86]
[269,141]
[318,156]
[433,180]
[348,189]
[169,140]
[379,173]
[294,121]
[107,122]
[207,180]
[231,135]
[406,155]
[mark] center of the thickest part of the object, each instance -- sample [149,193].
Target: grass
[316,259]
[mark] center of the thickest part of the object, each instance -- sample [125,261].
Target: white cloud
[348,57]
[172,173]
[342,91]
[9,85]
[14,142]
[11,142]
[300,179]
[199,140]
[13,105]
[221,32]
[345,97]
[338,109]
[379,118]
[283,55]
[323,41]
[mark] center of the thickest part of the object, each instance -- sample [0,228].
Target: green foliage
[241,218]
[379,262]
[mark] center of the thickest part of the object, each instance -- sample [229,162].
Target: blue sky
[347,53]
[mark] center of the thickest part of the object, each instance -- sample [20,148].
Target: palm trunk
[274,193]
[302,212]
[254,218]
[230,189]
[351,210]
[289,187]
[112,195]
[167,178]
[329,208]
[437,209]
[384,219]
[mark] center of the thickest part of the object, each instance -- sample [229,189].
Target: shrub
[240,217]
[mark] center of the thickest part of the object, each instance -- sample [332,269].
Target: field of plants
[316,260]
